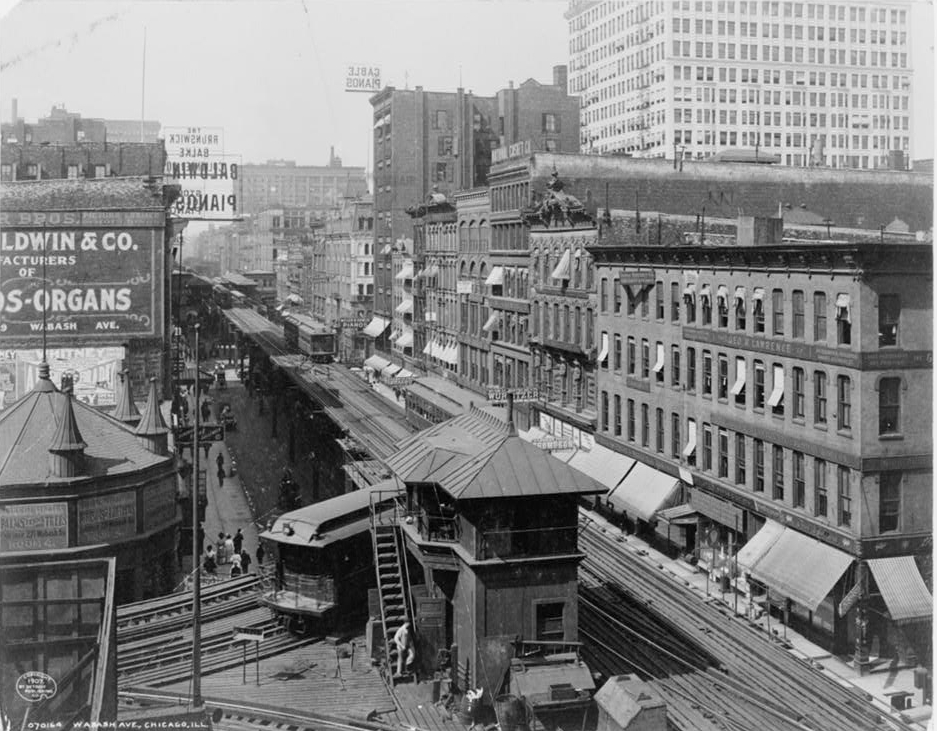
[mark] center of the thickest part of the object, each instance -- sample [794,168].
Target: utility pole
[196,552]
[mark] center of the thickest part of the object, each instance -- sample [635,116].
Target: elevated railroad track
[714,669]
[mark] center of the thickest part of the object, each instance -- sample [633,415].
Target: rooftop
[133,193]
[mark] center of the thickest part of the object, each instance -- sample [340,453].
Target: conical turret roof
[67,437]
[151,422]
[126,410]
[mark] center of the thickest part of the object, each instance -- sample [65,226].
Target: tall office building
[800,83]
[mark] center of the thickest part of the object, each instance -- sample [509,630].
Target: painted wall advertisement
[210,178]
[106,518]
[33,527]
[77,283]
[159,504]
[94,372]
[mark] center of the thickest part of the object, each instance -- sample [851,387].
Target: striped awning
[643,492]
[376,327]
[902,588]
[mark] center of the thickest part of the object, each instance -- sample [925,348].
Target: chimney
[559,76]
[509,417]
[67,451]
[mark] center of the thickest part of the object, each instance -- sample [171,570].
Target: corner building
[790,387]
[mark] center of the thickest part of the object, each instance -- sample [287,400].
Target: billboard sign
[35,526]
[92,284]
[209,178]
[106,518]
[359,77]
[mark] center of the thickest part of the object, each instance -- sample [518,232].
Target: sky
[271,72]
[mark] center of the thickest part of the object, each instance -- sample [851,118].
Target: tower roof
[126,410]
[151,422]
[479,455]
[67,436]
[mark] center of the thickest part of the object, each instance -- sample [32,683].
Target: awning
[682,514]
[691,439]
[758,297]
[722,296]
[689,291]
[427,349]
[602,464]
[430,316]
[739,384]
[431,271]
[404,373]
[561,271]
[405,340]
[377,363]
[495,277]
[387,249]
[659,363]
[842,307]
[777,392]
[782,568]
[450,354]
[705,293]
[739,297]
[643,492]
[405,307]
[390,370]
[395,334]
[715,508]
[293,299]
[490,322]
[603,353]
[902,588]
[406,272]
[751,553]
[375,327]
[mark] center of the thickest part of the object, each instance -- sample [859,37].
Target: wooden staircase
[389,566]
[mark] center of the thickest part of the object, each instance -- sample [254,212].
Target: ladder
[389,570]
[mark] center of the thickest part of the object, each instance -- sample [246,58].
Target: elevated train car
[221,296]
[313,339]
[323,560]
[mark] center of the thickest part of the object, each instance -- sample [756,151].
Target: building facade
[66,128]
[283,183]
[788,385]
[817,84]
[445,142]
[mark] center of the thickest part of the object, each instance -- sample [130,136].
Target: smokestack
[560,76]
[510,415]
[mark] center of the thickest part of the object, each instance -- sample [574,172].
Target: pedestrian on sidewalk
[219,460]
[236,564]
[206,410]
[238,541]
[209,563]
[260,554]
[245,561]
[229,547]
[221,555]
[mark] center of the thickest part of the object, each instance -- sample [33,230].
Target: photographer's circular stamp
[35,686]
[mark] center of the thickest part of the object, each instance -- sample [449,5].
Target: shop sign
[159,504]
[521,395]
[33,527]
[463,286]
[209,178]
[91,284]
[554,444]
[640,278]
[507,152]
[352,322]
[849,601]
[359,77]
[107,518]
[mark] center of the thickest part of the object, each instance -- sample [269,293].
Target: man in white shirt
[403,639]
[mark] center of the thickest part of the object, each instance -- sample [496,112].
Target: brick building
[284,184]
[788,386]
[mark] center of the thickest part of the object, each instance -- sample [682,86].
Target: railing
[544,648]
[526,543]
[441,528]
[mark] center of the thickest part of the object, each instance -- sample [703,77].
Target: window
[604,410]
[74,172]
[691,369]
[759,385]
[444,146]
[675,436]
[777,473]
[758,310]
[660,430]
[740,459]
[843,402]
[740,322]
[843,496]
[759,465]
[101,171]
[659,292]
[550,621]
[889,311]
[843,321]
[443,172]
[776,400]
[797,392]
[603,295]
[690,301]
[675,365]
[707,447]
[797,313]
[819,397]
[722,302]
[617,417]
[442,119]
[707,373]
[889,403]
[632,355]
[889,501]
[723,376]
[551,122]
[819,316]
[800,490]
[820,506]
[616,295]
[659,363]
[706,302]
[723,453]
[777,312]
[617,361]
[631,422]
[645,359]
[645,425]
[675,302]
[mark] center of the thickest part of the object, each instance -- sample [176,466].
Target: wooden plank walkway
[302,680]
[422,717]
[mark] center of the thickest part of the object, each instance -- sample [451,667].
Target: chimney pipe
[510,405]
